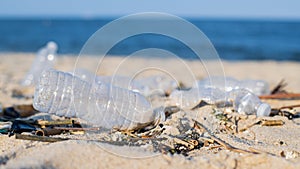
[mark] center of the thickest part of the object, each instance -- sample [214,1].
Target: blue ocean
[233,39]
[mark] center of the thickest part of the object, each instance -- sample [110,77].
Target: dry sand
[270,141]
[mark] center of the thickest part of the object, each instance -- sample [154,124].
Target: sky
[272,9]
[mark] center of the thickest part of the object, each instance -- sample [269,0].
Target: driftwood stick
[290,106]
[57,122]
[281,96]
[39,138]
[77,128]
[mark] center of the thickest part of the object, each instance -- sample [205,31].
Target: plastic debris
[147,86]
[100,104]
[19,126]
[45,59]
[5,127]
[257,87]
[242,99]
[246,102]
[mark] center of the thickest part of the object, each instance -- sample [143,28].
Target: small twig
[281,96]
[39,138]
[249,126]
[144,139]
[271,122]
[202,103]
[290,106]
[57,122]
[221,142]
[264,122]
[77,128]
[279,88]
[260,151]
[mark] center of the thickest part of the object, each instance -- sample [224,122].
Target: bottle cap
[263,109]
[52,46]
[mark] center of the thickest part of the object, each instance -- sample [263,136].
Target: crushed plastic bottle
[190,98]
[44,60]
[246,102]
[243,100]
[100,104]
[258,87]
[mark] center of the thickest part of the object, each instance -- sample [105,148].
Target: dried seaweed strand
[221,142]
[39,138]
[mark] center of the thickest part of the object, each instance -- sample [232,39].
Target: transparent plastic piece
[242,100]
[190,98]
[45,59]
[246,102]
[100,104]
[147,86]
[258,87]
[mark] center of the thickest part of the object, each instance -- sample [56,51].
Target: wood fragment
[57,122]
[39,138]
[77,128]
[143,139]
[260,151]
[202,103]
[190,146]
[264,122]
[221,142]
[290,106]
[279,88]
[271,122]
[48,132]
[281,96]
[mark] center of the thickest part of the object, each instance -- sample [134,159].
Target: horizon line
[111,17]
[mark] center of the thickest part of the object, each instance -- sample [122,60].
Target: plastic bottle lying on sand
[100,104]
[258,87]
[159,85]
[190,98]
[44,60]
[147,86]
[246,102]
[120,81]
[242,100]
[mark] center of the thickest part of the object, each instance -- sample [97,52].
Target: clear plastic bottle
[246,102]
[100,104]
[147,86]
[121,81]
[242,100]
[44,60]
[159,85]
[258,87]
[190,98]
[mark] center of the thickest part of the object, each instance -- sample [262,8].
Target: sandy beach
[274,146]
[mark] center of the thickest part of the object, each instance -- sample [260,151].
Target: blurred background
[239,30]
